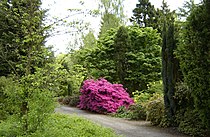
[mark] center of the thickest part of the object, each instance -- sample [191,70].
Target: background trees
[129,55]
[145,14]
[112,14]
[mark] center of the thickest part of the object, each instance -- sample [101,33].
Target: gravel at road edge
[121,126]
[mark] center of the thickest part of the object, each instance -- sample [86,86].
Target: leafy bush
[9,97]
[29,98]
[183,96]
[141,98]
[70,100]
[137,112]
[103,97]
[191,124]
[155,87]
[11,127]
[187,118]
[155,110]
[122,112]
[127,55]
[193,54]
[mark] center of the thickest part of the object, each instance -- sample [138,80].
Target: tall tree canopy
[145,15]
[112,14]
[193,53]
[21,37]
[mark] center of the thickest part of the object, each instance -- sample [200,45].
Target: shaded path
[122,126]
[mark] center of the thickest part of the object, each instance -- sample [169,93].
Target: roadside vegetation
[156,69]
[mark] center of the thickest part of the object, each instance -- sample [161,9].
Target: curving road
[121,126]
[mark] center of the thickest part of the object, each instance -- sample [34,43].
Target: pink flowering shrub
[103,97]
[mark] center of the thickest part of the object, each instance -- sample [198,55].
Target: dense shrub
[122,112]
[193,53]
[190,123]
[9,102]
[141,97]
[70,100]
[187,118]
[154,87]
[103,97]
[155,110]
[137,112]
[28,100]
[11,127]
[127,55]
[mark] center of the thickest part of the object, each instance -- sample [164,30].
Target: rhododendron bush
[103,97]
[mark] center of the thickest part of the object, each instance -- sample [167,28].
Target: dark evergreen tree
[145,14]
[121,46]
[169,71]
[164,15]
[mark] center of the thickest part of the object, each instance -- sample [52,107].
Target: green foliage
[183,96]
[71,126]
[122,112]
[70,100]
[57,125]
[145,14]
[121,44]
[169,68]
[154,87]
[112,15]
[155,110]
[11,127]
[193,53]
[141,97]
[147,107]
[77,75]
[143,58]
[69,74]
[10,97]
[187,118]
[109,21]
[190,123]
[33,91]
[89,40]
[137,112]
[129,55]
[22,37]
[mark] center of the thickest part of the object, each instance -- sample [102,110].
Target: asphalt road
[123,127]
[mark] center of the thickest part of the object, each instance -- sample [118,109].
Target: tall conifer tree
[145,14]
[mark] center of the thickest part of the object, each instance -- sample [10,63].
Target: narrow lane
[121,126]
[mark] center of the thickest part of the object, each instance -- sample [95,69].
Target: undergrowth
[60,125]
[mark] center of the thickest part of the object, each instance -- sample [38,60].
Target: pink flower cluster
[103,97]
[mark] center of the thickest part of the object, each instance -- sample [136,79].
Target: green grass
[61,125]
